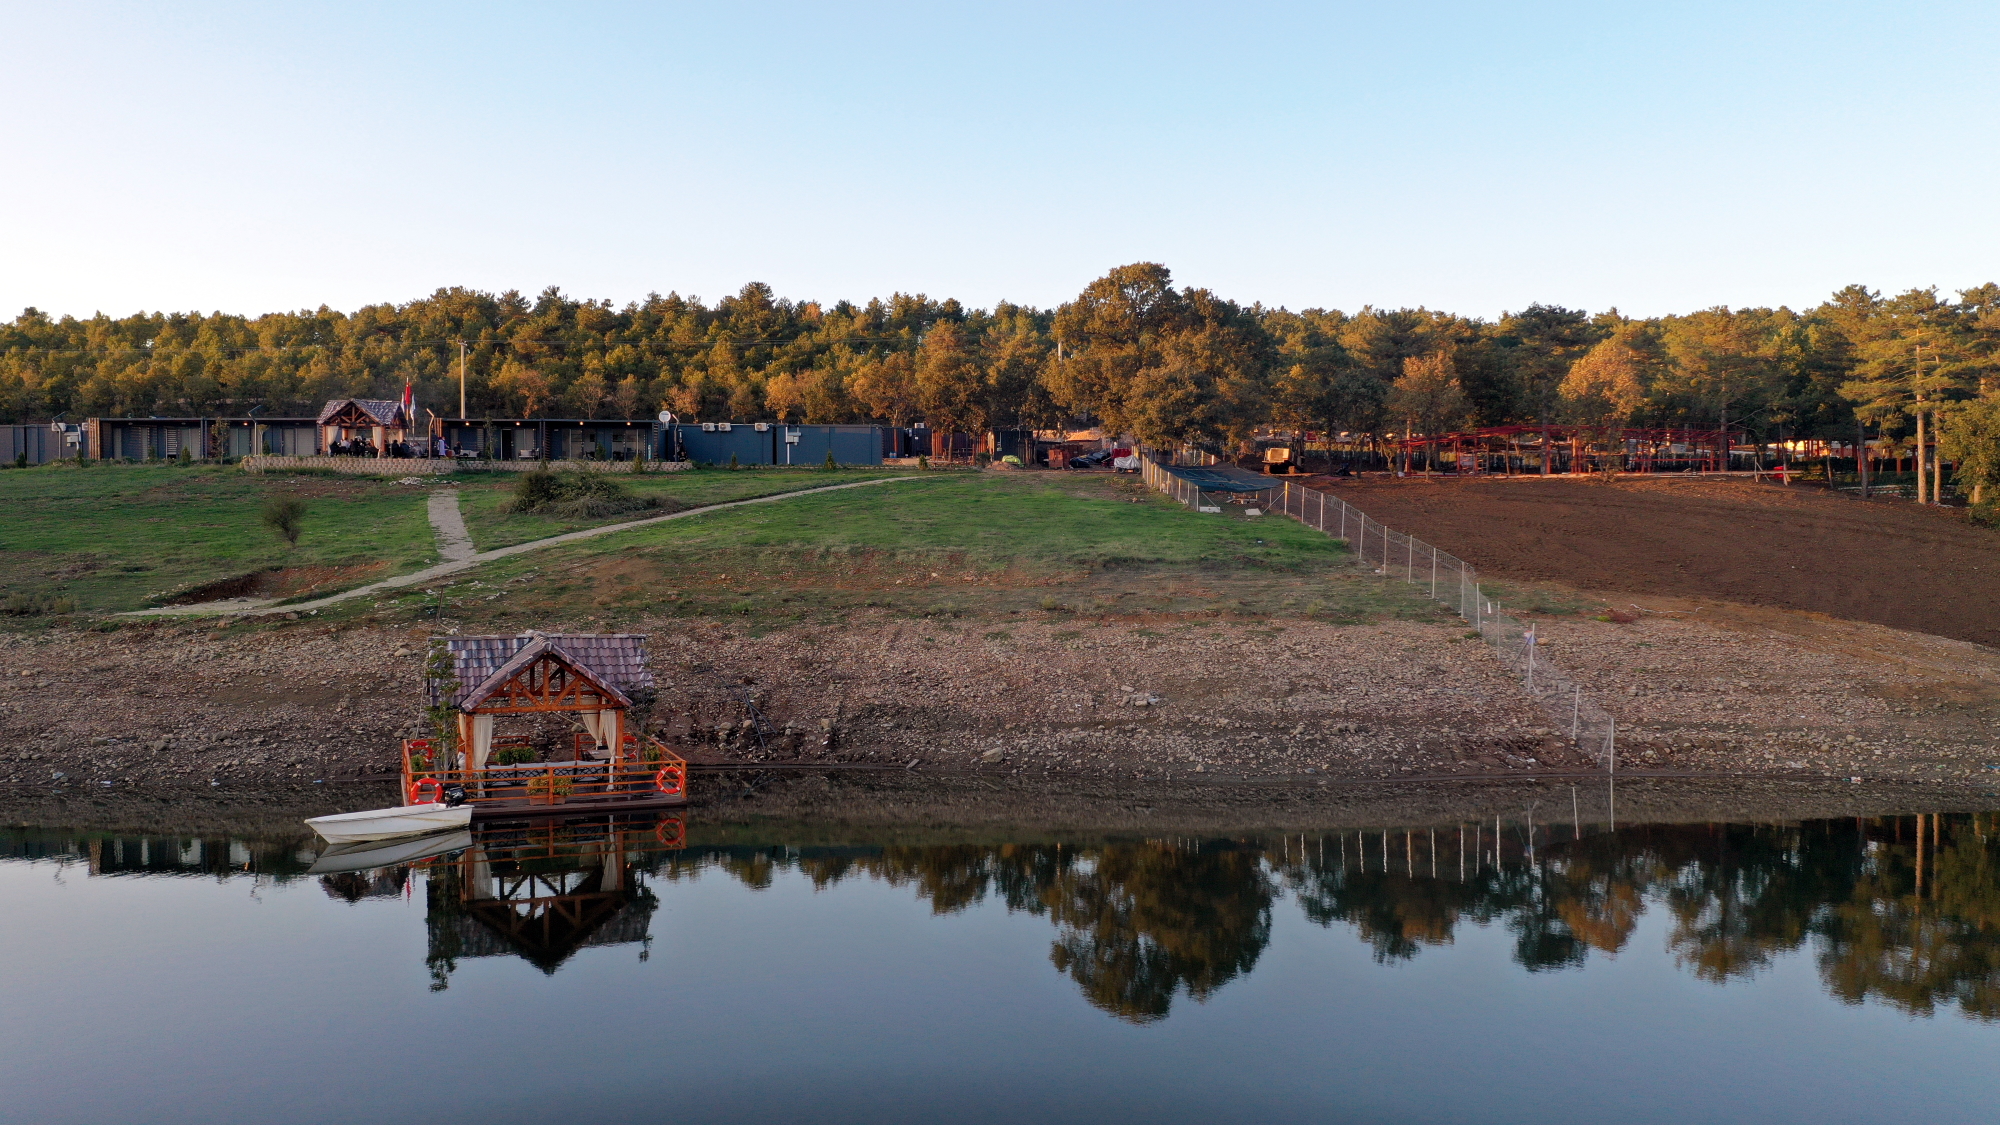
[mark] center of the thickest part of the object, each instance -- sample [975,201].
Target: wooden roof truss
[547,682]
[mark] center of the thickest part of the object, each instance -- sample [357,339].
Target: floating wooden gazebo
[592,677]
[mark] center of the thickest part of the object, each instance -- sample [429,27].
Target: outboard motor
[454,796]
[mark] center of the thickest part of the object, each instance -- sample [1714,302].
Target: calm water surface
[1824,971]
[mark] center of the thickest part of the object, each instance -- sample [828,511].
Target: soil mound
[286,582]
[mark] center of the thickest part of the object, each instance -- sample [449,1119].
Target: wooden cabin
[377,422]
[588,676]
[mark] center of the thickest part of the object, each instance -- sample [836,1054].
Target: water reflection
[1899,910]
[543,891]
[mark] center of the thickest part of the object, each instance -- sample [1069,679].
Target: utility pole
[1917,387]
[461,380]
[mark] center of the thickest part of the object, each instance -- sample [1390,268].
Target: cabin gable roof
[614,664]
[379,412]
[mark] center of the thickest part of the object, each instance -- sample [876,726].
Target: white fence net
[1447,579]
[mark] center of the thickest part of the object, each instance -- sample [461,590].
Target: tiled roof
[616,660]
[384,411]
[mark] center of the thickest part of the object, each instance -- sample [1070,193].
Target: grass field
[111,538]
[947,544]
[106,538]
[483,497]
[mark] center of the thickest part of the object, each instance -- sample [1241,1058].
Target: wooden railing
[644,768]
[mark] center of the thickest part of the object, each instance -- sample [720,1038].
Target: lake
[1488,970]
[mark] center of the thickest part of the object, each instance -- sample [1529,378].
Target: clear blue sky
[1658,157]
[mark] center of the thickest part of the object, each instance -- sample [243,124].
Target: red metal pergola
[1558,448]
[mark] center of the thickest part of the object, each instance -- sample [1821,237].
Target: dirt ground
[1698,689]
[1888,562]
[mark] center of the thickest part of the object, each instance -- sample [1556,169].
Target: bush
[21,459]
[33,605]
[732,462]
[514,755]
[285,515]
[831,464]
[577,494]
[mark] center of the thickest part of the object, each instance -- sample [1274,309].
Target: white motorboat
[387,824]
[365,855]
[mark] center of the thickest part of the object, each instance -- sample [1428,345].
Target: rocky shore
[1696,688]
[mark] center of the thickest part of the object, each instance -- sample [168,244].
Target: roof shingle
[384,411]
[616,659]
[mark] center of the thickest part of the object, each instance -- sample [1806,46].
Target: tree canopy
[1132,351]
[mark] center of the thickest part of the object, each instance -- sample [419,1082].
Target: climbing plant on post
[441,677]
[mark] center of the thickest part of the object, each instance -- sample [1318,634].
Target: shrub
[831,464]
[21,459]
[551,787]
[36,605]
[184,457]
[285,515]
[732,462]
[577,494]
[514,755]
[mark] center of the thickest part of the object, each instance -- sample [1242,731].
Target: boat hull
[366,855]
[388,824]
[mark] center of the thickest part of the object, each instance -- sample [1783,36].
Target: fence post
[1434,572]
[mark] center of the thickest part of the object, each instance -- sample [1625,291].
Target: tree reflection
[1917,942]
[1889,918]
[1137,924]
[1146,921]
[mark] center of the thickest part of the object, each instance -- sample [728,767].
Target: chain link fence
[1447,579]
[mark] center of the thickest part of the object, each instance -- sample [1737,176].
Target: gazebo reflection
[538,890]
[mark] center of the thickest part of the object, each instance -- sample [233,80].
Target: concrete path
[454,542]
[245,608]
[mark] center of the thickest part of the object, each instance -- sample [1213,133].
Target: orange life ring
[669,831]
[673,788]
[417,790]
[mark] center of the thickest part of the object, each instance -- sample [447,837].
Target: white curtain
[599,723]
[482,740]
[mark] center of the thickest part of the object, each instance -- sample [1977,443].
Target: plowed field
[1883,561]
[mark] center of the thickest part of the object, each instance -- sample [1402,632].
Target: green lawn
[107,537]
[483,497]
[110,538]
[945,544]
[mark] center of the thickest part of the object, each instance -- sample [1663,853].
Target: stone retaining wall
[436,466]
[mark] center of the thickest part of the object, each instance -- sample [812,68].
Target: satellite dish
[666,415]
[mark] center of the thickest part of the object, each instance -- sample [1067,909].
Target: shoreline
[900,803]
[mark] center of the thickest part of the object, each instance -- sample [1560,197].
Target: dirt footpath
[1887,562]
